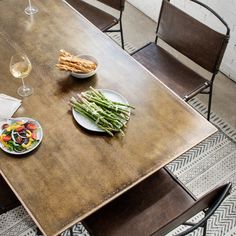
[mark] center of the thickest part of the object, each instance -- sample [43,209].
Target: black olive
[23,134]
[26,140]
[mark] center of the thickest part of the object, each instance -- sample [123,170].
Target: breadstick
[75,67]
[68,62]
[67,68]
[83,62]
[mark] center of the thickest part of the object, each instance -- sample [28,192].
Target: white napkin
[8,105]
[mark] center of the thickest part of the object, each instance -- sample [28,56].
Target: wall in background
[225,8]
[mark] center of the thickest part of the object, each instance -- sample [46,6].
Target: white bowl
[86,75]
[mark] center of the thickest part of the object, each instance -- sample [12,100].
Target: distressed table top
[74,172]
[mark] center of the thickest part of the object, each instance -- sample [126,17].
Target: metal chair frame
[208,213]
[208,86]
[119,21]
[119,30]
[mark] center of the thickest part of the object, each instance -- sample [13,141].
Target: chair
[103,20]
[193,39]
[8,200]
[154,207]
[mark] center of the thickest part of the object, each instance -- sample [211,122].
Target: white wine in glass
[20,67]
[30,10]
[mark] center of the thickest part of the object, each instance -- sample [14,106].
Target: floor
[140,29]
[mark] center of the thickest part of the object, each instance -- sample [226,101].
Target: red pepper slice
[20,128]
[6,138]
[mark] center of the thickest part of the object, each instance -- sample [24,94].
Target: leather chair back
[190,37]
[210,201]
[116,4]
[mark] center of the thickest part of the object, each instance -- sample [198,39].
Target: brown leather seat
[8,200]
[101,19]
[155,206]
[189,37]
[170,71]
[143,209]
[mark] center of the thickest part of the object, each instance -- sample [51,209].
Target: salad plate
[90,125]
[20,135]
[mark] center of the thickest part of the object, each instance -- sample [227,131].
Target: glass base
[25,91]
[30,10]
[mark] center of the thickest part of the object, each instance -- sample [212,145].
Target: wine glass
[30,10]
[20,67]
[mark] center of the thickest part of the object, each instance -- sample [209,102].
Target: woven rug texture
[207,165]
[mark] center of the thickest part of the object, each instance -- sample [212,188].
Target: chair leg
[121,35]
[156,38]
[204,229]
[209,103]
[71,231]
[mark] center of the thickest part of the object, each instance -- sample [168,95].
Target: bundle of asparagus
[108,115]
[68,62]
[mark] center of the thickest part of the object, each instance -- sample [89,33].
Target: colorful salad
[19,136]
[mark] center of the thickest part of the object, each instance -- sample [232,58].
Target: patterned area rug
[205,166]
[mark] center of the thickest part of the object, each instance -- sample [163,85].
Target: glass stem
[30,7]
[23,83]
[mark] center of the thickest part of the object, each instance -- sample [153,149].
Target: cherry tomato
[34,136]
[6,138]
[20,128]
[31,126]
[4,126]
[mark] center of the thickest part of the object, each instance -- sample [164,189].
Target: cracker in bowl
[83,64]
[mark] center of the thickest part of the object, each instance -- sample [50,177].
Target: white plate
[90,125]
[23,119]
[86,75]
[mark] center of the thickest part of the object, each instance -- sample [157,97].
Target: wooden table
[74,172]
